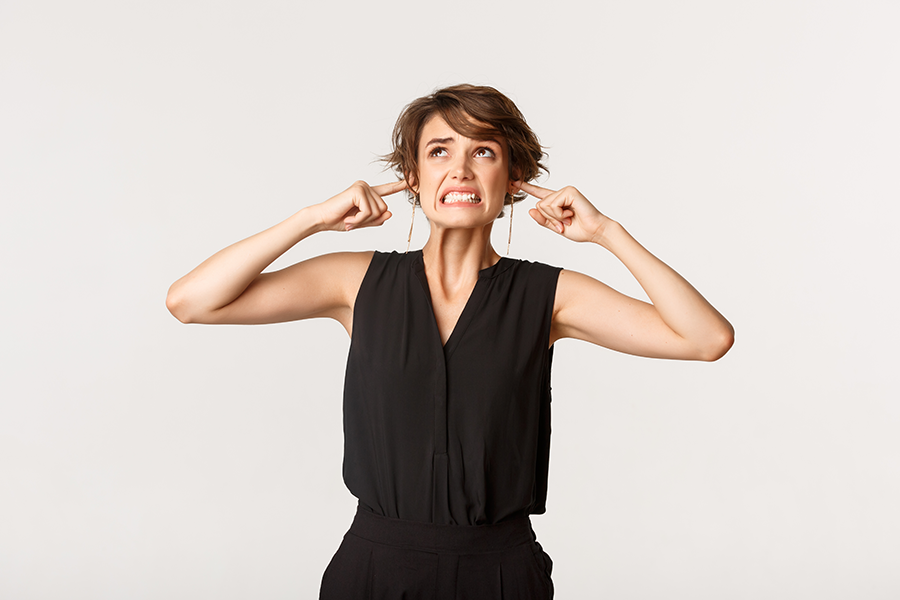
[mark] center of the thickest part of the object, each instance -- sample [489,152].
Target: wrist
[606,232]
[303,223]
[312,219]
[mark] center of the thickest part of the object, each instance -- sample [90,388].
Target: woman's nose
[461,168]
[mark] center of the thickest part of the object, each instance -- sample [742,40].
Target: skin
[230,287]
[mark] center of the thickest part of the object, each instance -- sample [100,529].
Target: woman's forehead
[436,125]
[437,130]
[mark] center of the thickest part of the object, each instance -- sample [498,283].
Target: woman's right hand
[360,205]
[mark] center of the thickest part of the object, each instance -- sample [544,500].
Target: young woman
[447,389]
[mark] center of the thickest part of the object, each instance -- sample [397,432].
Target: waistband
[448,538]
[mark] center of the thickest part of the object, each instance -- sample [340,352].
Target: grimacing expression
[462,182]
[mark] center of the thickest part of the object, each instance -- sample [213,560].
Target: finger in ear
[412,182]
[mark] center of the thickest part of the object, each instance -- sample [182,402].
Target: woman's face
[462,182]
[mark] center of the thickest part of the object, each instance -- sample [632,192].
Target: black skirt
[392,559]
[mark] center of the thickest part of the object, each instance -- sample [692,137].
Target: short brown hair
[477,112]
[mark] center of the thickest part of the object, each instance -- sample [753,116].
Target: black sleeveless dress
[446,447]
[457,434]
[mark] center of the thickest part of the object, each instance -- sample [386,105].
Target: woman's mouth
[460,198]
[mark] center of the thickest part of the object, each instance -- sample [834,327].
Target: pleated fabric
[381,558]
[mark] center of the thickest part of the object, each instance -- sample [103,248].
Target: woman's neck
[455,255]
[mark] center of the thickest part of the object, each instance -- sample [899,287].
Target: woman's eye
[485,152]
[438,152]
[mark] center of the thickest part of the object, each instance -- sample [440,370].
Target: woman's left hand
[567,212]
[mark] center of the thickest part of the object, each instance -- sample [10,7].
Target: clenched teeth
[454,197]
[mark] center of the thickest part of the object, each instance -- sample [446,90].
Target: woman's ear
[514,176]
[412,183]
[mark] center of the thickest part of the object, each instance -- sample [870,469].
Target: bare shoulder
[351,268]
[572,286]
[322,286]
[587,309]
[345,269]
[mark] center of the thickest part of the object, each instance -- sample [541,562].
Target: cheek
[430,179]
[426,180]
[500,180]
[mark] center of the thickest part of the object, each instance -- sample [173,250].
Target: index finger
[386,189]
[534,190]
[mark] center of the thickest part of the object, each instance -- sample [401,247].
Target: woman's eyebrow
[439,141]
[450,140]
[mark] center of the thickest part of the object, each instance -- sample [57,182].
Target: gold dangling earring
[412,222]
[509,239]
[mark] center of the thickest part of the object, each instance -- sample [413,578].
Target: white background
[752,145]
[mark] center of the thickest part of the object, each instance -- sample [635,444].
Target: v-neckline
[471,305]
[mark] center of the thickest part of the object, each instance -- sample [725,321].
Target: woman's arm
[229,287]
[679,323]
